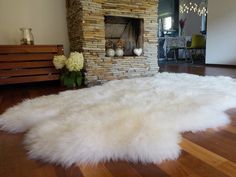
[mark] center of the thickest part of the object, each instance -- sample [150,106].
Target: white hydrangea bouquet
[71,67]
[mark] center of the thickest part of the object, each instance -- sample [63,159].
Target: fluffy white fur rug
[135,119]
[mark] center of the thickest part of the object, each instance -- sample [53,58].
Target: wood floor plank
[98,171]
[228,136]
[16,163]
[149,170]
[68,172]
[73,172]
[121,169]
[43,171]
[176,169]
[230,128]
[199,167]
[214,143]
[216,161]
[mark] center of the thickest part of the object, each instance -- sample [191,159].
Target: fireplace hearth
[92,24]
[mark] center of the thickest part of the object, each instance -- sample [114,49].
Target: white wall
[221,32]
[193,22]
[47,18]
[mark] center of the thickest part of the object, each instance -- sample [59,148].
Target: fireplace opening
[125,35]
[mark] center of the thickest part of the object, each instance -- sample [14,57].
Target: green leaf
[79,74]
[69,81]
[73,75]
[79,80]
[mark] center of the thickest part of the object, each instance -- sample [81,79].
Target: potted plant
[71,69]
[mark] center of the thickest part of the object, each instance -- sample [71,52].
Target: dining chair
[198,43]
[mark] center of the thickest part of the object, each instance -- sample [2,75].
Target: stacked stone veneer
[87,34]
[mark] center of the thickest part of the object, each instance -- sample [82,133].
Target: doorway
[182,31]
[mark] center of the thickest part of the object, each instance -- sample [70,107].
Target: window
[167,23]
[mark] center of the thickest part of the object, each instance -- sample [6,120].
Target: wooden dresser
[28,63]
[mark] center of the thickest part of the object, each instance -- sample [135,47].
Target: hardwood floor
[204,154]
[199,69]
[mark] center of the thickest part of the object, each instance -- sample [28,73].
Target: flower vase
[27,36]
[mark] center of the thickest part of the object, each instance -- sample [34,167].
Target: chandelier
[200,9]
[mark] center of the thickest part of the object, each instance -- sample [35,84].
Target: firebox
[127,31]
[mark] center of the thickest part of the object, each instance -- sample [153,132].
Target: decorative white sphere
[110,52]
[119,52]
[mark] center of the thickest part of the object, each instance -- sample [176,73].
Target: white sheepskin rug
[134,119]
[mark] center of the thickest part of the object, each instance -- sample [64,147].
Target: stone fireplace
[91,23]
